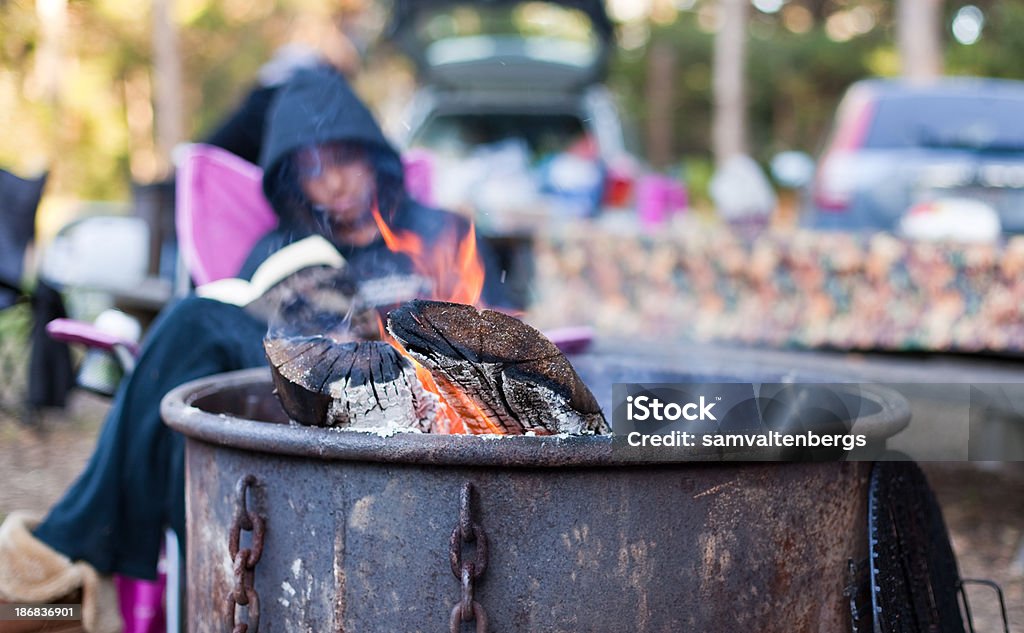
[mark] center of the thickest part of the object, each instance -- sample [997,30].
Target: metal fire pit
[368,533]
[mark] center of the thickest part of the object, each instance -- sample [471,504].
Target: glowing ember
[472,418]
[448,420]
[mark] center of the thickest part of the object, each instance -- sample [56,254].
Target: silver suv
[896,146]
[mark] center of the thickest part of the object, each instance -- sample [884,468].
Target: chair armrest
[72,331]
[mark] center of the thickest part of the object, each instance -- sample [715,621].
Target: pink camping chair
[418,165]
[220,213]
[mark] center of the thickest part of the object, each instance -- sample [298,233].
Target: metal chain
[243,561]
[467,532]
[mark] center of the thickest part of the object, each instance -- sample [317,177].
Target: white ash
[379,431]
[400,403]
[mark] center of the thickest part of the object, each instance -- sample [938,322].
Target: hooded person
[328,169]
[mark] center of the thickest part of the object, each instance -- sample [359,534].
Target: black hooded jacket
[318,106]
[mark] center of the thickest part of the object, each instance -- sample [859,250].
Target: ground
[984,511]
[983,507]
[36,466]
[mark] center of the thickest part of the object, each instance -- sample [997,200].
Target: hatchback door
[560,45]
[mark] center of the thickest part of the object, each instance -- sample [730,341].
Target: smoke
[317,301]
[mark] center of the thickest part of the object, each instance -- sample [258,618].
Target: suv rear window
[458,134]
[540,30]
[968,121]
[528,19]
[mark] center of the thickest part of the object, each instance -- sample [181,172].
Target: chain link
[467,532]
[243,560]
[466,511]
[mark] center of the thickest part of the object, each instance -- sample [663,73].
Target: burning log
[499,374]
[368,384]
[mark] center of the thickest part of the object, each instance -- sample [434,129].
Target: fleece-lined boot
[32,572]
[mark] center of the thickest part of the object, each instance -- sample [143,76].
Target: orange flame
[453,265]
[457,272]
[406,242]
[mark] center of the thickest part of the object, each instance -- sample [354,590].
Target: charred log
[499,374]
[322,382]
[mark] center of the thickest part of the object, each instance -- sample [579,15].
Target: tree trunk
[168,93]
[50,62]
[919,33]
[49,73]
[728,129]
[661,83]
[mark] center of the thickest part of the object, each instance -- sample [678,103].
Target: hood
[317,106]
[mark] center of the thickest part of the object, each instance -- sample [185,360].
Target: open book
[310,252]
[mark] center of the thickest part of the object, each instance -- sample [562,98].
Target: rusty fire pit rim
[229,430]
